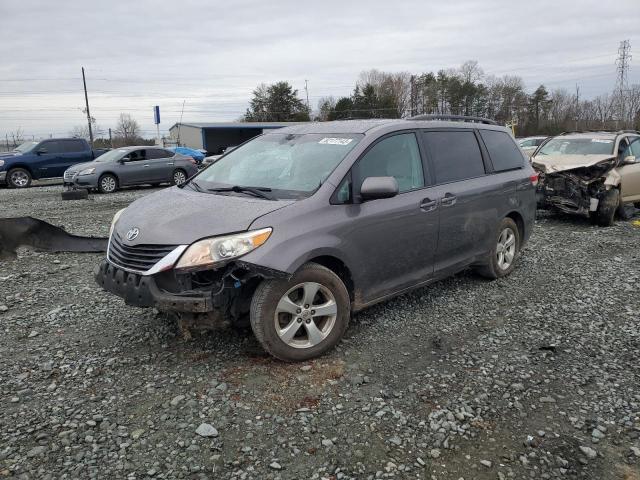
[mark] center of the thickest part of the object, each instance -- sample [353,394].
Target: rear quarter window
[504,153]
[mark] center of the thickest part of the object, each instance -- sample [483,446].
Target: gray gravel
[532,376]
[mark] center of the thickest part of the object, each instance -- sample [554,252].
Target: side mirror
[41,150]
[374,188]
[629,160]
[123,160]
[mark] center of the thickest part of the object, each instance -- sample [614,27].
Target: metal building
[215,137]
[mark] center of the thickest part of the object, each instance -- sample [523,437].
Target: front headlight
[1,163]
[87,171]
[115,219]
[214,250]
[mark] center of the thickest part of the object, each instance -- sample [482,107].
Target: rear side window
[397,156]
[455,155]
[73,146]
[504,153]
[154,153]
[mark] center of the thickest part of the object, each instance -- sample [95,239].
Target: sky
[211,54]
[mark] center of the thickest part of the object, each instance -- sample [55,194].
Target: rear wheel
[179,177]
[303,317]
[501,260]
[19,178]
[107,183]
[607,207]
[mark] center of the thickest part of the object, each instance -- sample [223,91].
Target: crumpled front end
[577,190]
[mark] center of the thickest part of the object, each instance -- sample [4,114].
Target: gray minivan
[298,228]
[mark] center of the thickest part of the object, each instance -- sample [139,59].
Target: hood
[560,163]
[176,216]
[81,166]
[9,154]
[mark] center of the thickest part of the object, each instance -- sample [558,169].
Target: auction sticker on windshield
[599,140]
[336,141]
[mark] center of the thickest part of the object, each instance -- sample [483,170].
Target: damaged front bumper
[569,193]
[227,290]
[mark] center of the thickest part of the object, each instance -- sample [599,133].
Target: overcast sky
[212,54]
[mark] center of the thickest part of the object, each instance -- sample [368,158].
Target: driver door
[630,173]
[134,168]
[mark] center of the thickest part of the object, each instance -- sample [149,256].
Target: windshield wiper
[255,191]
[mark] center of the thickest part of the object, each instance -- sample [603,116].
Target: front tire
[607,207]
[501,260]
[107,183]
[303,317]
[19,178]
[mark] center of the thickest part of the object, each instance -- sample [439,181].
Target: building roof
[260,125]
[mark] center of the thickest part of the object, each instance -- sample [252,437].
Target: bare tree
[127,130]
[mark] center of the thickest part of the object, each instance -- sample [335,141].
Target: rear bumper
[142,291]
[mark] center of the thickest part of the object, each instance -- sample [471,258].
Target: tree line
[466,90]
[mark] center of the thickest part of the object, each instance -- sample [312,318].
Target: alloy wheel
[179,177]
[108,184]
[506,249]
[305,315]
[20,179]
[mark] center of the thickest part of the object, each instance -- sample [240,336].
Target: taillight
[534,179]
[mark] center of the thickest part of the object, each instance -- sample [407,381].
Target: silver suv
[589,173]
[298,228]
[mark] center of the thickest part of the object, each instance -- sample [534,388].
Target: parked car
[591,174]
[131,166]
[300,227]
[43,159]
[197,155]
[212,158]
[529,144]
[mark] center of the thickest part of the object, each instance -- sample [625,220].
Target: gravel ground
[532,376]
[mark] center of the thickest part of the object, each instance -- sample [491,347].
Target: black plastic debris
[42,236]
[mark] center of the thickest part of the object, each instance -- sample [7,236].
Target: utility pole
[306,89]
[413,95]
[86,101]
[6,138]
[110,139]
[622,62]
[577,105]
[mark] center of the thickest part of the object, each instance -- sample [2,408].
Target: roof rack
[454,118]
[611,132]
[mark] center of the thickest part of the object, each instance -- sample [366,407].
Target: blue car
[197,155]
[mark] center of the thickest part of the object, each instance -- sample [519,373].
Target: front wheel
[607,207]
[501,260]
[107,184]
[303,317]
[19,178]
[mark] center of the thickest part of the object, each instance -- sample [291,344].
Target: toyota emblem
[133,233]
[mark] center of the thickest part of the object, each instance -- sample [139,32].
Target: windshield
[292,166]
[112,155]
[25,147]
[577,146]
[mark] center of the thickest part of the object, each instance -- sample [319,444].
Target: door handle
[428,205]
[448,200]
[146,165]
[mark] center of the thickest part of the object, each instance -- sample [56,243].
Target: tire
[607,207]
[507,242]
[107,183]
[79,194]
[19,178]
[178,177]
[268,307]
